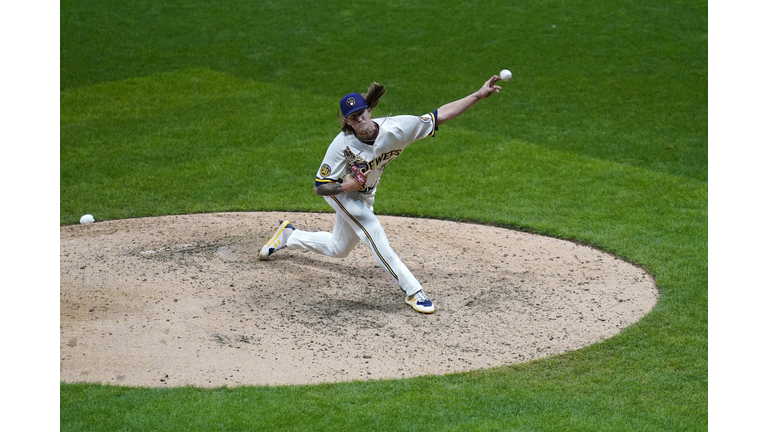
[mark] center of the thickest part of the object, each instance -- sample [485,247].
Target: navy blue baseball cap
[352,103]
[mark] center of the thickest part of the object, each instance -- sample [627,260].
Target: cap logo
[350,101]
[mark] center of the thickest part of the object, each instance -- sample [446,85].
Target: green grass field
[600,137]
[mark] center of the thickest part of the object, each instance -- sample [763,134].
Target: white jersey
[395,134]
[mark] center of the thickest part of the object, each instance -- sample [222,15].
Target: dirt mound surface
[183,300]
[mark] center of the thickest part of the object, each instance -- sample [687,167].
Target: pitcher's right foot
[278,241]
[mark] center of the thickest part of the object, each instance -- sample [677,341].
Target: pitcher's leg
[335,244]
[368,228]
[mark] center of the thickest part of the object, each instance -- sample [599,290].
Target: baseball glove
[356,167]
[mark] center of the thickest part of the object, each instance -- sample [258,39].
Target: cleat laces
[420,297]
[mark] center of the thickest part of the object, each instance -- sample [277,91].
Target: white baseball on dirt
[506,75]
[86,219]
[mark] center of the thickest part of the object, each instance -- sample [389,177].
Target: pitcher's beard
[369,134]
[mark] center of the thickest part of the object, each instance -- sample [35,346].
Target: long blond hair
[372,97]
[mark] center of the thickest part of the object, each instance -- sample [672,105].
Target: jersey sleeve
[415,128]
[334,166]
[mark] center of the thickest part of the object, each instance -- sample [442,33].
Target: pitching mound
[183,300]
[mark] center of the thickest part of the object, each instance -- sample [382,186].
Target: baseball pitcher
[349,175]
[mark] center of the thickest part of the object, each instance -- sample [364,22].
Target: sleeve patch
[325,170]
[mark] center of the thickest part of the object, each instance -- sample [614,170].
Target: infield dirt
[183,300]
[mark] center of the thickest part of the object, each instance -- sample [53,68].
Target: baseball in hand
[505,74]
[86,219]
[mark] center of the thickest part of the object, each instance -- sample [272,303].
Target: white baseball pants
[356,222]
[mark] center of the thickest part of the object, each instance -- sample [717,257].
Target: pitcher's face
[361,122]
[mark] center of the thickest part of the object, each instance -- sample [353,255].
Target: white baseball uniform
[355,220]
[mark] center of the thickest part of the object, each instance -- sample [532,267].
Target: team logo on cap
[351,101]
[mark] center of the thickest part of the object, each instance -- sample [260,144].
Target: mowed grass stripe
[622,81]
